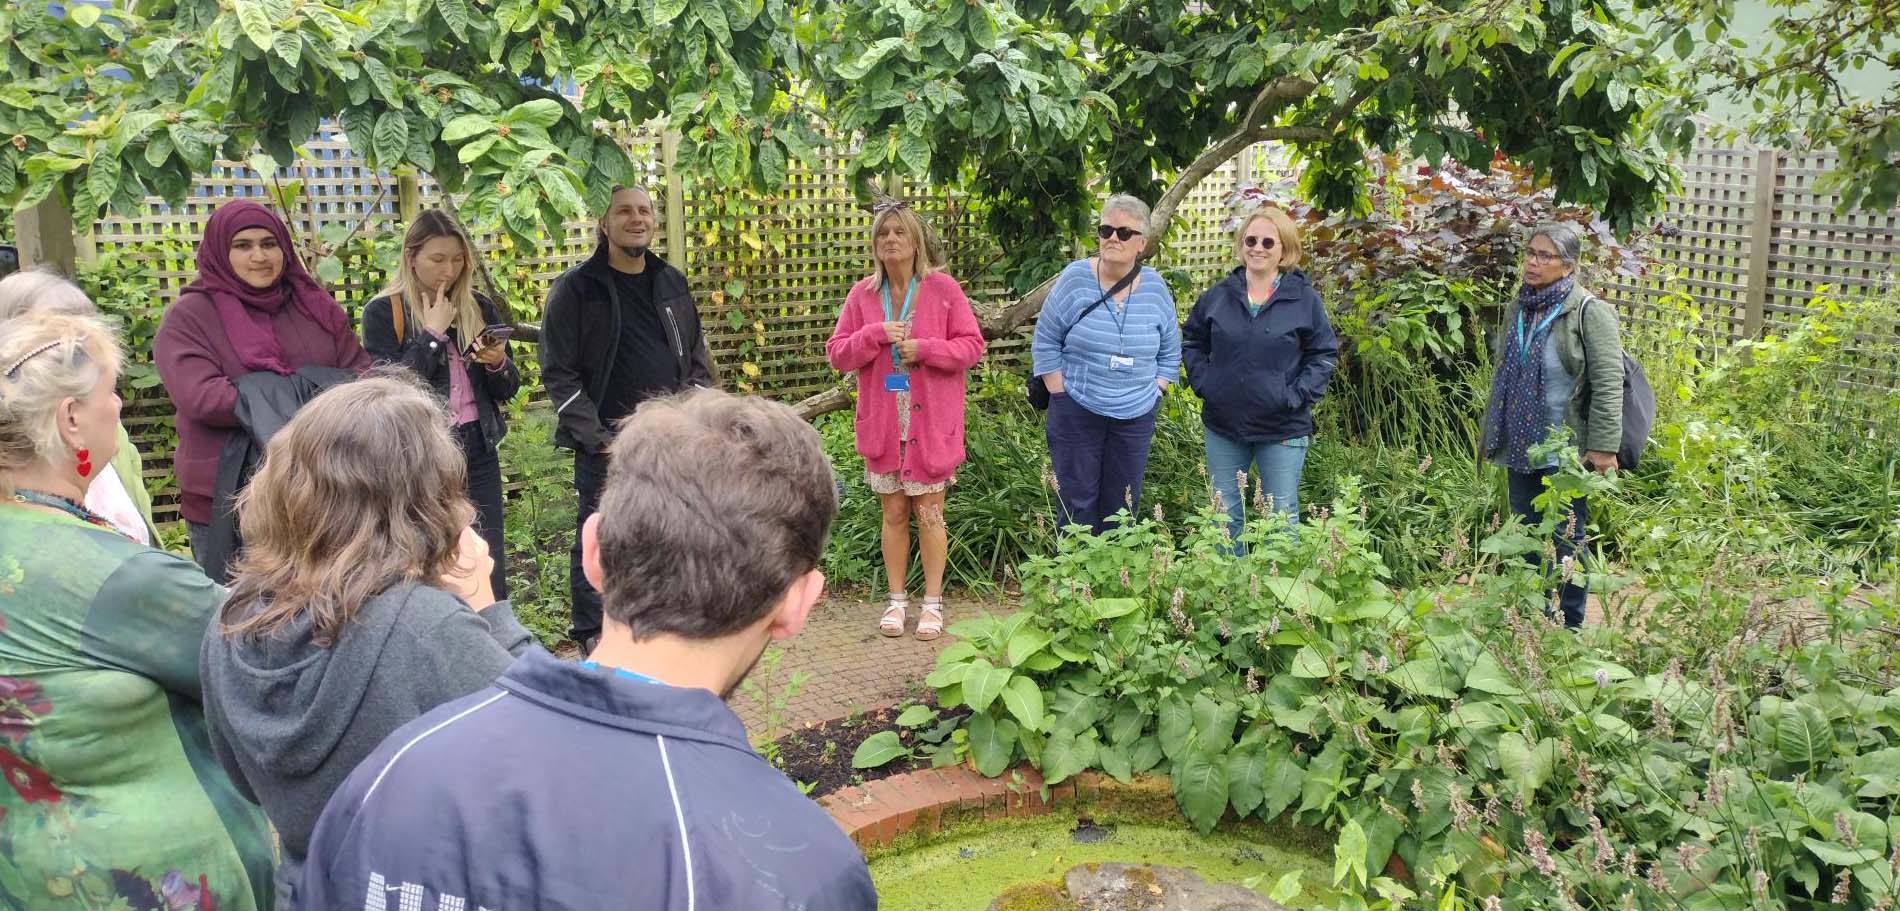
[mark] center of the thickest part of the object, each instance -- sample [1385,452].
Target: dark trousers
[590,473]
[1524,488]
[200,538]
[484,489]
[1098,461]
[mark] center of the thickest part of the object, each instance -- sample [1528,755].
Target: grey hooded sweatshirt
[290,719]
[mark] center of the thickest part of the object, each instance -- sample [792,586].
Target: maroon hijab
[246,311]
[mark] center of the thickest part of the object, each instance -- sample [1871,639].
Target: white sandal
[892,623]
[930,622]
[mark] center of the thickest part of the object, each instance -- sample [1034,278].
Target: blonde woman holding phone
[430,320]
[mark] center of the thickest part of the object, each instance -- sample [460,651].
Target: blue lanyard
[1523,343]
[884,290]
[1120,316]
[623,672]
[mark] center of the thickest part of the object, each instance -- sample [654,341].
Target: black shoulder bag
[1039,390]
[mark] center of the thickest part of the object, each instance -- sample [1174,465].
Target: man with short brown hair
[706,545]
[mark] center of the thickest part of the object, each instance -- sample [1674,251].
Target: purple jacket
[197,363]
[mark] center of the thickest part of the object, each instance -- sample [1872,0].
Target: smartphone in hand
[492,336]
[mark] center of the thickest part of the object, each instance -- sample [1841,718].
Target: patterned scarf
[1517,417]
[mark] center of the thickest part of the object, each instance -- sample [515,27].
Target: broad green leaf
[772,166]
[1023,698]
[1116,761]
[877,749]
[1423,677]
[1201,788]
[1287,888]
[1308,664]
[914,152]
[541,112]
[1300,595]
[1476,716]
[1145,755]
[1488,676]
[664,12]
[382,80]
[562,193]
[391,138]
[1213,723]
[1349,856]
[84,15]
[1283,780]
[1839,855]
[288,46]
[1126,724]
[1528,766]
[1065,754]
[982,683]
[1246,780]
[1802,734]
[474,150]
[992,743]
[915,716]
[1110,608]
[1175,725]
[255,20]
[960,650]
[457,15]
[1026,643]
[102,176]
[1612,726]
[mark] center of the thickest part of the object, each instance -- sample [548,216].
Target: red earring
[85,462]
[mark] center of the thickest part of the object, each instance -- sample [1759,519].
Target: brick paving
[849,666]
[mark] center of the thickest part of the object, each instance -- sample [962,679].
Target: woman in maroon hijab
[254,307]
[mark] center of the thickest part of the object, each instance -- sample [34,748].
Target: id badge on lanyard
[897,381]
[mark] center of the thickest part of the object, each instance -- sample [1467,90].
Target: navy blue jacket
[562,787]
[1258,376]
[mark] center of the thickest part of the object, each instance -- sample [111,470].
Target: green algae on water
[967,870]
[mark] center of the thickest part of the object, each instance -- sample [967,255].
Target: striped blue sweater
[1145,331]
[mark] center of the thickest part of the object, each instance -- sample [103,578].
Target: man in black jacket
[619,329]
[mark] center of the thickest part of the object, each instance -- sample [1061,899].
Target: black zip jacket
[1258,376]
[420,352]
[580,335]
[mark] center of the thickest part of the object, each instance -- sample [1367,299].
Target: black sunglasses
[1264,243]
[1107,231]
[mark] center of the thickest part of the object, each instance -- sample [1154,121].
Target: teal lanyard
[623,672]
[884,291]
[1524,342]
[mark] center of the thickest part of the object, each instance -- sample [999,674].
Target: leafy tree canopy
[1021,104]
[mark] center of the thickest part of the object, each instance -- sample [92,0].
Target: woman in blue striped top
[1106,366]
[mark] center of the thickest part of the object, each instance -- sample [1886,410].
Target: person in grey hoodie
[362,600]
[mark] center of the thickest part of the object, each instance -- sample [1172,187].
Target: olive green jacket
[1590,348]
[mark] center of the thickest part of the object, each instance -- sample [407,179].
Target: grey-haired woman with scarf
[1559,366]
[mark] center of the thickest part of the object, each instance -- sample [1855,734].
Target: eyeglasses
[1107,231]
[1539,256]
[1264,243]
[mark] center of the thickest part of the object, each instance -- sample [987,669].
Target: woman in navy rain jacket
[1259,352]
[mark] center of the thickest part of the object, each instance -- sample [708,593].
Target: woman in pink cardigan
[909,333]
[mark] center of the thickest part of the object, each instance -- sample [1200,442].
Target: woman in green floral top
[112,798]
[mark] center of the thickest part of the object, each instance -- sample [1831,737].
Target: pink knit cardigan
[949,344]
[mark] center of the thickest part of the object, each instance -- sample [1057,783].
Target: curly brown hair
[365,488]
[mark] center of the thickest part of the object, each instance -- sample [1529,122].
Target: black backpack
[1639,411]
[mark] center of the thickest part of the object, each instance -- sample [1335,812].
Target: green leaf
[1247,780]
[1423,677]
[1284,778]
[288,46]
[1477,716]
[382,80]
[915,716]
[456,14]
[84,15]
[541,112]
[468,153]
[1110,608]
[1201,788]
[1026,643]
[1176,725]
[1287,888]
[1126,724]
[1308,664]
[992,743]
[914,152]
[1488,676]
[562,192]
[1839,855]
[1802,734]
[255,20]
[772,167]
[982,683]
[1063,755]
[1349,856]
[1528,766]
[191,146]
[877,749]
[1214,723]
[664,12]
[1300,595]
[467,125]
[1115,760]
[1024,700]
[329,270]
[391,138]
[1145,755]
[102,177]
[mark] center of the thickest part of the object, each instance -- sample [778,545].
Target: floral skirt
[889,483]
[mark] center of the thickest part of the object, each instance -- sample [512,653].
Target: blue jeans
[1098,461]
[1524,488]
[1279,465]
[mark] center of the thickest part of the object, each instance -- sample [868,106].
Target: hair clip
[889,205]
[15,369]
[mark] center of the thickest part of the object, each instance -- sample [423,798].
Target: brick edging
[925,802]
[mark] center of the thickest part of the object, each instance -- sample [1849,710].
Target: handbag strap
[396,313]
[1113,290]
